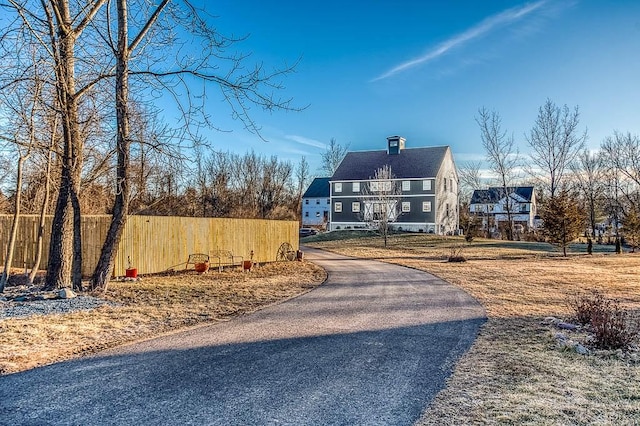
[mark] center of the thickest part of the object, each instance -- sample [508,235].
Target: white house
[316,203]
[491,206]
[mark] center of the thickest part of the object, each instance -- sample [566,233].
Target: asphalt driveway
[373,345]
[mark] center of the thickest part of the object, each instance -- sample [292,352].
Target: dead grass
[148,308]
[515,373]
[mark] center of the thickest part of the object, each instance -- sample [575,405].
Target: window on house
[406,206]
[318,201]
[328,201]
[426,185]
[355,207]
[380,186]
[318,214]
[338,187]
[445,184]
[337,207]
[406,185]
[426,206]
[356,187]
[306,214]
[306,202]
[376,208]
[446,210]
[451,185]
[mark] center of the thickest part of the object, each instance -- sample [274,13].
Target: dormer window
[395,144]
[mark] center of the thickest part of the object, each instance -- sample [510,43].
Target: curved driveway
[373,345]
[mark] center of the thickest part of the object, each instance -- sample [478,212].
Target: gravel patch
[12,309]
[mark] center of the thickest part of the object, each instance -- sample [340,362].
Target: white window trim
[426,206]
[406,185]
[337,187]
[355,207]
[337,207]
[355,187]
[406,207]
[426,185]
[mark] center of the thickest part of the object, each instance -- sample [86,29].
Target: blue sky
[421,69]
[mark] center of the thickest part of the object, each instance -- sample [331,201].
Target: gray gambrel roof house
[408,163]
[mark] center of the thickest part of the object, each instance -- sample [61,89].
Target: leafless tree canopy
[470,179]
[589,174]
[555,142]
[381,200]
[332,157]
[622,154]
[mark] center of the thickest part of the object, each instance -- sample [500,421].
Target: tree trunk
[14,227]
[43,209]
[60,245]
[63,236]
[104,267]
[76,266]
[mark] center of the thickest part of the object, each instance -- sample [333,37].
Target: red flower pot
[201,267]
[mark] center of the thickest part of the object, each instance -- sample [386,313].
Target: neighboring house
[316,203]
[427,177]
[491,206]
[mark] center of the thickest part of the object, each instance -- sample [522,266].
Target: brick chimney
[395,144]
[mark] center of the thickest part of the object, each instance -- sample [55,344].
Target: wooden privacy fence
[158,243]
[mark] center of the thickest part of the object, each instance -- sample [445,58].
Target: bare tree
[590,179]
[332,157]
[502,157]
[45,202]
[556,143]
[23,104]
[470,180]
[302,177]
[622,154]
[381,200]
[56,27]
[122,51]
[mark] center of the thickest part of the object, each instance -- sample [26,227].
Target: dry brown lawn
[150,307]
[515,373]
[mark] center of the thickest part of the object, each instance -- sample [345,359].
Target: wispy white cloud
[306,141]
[489,24]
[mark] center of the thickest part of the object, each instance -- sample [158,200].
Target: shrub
[584,306]
[611,326]
[455,254]
[610,323]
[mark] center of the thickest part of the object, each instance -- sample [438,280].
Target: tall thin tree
[502,156]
